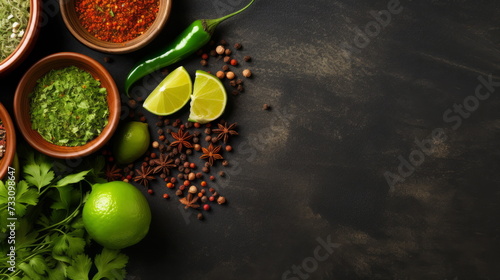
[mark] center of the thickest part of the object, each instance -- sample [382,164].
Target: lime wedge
[209,98]
[171,94]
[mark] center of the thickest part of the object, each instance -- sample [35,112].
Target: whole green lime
[130,142]
[116,215]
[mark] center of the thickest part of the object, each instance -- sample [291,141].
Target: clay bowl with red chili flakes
[9,142]
[28,40]
[115,27]
[28,83]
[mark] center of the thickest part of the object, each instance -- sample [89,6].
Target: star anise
[190,201]
[112,172]
[163,164]
[211,153]
[181,139]
[143,176]
[224,131]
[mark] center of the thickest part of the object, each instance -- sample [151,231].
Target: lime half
[171,94]
[209,98]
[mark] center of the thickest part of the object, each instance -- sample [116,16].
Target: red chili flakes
[116,21]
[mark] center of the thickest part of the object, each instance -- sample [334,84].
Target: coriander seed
[220,74]
[220,49]
[247,73]
[221,200]
[230,75]
[193,189]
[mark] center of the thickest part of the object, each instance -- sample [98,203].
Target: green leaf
[72,179]
[110,265]
[25,235]
[63,198]
[38,175]
[57,273]
[38,264]
[29,271]
[68,245]
[24,196]
[80,267]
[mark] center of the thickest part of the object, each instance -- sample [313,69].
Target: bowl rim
[81,34]
[10,149]
[28,41]
[21,105]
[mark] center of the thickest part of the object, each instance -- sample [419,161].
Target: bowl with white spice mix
[20,23]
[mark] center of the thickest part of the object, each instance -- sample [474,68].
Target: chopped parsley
[68,107]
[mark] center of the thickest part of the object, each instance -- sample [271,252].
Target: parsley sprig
[50,239]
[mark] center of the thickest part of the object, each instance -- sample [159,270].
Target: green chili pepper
[189,41]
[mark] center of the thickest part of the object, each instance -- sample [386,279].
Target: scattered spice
[225,130]
[247,73]
[163,164]
[116,21]
[220,49]
[190,201]
[221,200]
[230,75]
[211,153]
[144,176]
[182,139]
[113,173]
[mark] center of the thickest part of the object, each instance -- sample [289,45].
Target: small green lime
[130,142]
[116,215]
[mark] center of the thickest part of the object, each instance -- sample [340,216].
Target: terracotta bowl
[72,22]
[28,40]
[28,83]
[10,138]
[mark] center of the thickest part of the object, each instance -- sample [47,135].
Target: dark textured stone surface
[345,111]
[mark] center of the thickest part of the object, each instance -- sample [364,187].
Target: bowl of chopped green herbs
[7,141]
[20,23]
[67,105]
